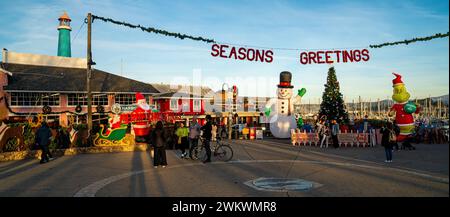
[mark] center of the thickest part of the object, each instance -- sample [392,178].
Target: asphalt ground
[346,172]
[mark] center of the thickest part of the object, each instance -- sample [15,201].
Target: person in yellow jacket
[183,142]
[245,132]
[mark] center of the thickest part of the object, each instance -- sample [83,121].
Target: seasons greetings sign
[306,57]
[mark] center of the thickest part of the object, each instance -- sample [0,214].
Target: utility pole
[89,73]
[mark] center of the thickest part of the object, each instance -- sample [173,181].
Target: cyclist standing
[207,128]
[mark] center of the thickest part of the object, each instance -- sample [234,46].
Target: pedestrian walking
[245,132]
[43,139]
[388,139]
[194,133]
[223,132]
[183,142]
[159,142]
[396,129]
[334,133]
[207,128]
[321,130]
[63,138]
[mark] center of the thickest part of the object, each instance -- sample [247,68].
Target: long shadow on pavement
[17,167]
[47,172]
[137,182]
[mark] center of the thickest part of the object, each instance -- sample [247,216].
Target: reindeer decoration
[6,132]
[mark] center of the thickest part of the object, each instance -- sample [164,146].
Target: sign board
[353,138]
[128,108]
[259,134]
[118,108]
[263,119]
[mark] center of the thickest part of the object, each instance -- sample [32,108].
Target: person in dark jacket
[159,140]
[396,129]
[63,138]
[207,128]
[43,136]
[334,133]
[387,140]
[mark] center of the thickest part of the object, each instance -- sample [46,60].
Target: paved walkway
[338,172]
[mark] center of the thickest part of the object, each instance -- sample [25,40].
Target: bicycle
[220,150]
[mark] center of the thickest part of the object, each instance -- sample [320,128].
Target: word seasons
[307,57]
[241,53]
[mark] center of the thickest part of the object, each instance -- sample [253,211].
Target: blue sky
[30,27]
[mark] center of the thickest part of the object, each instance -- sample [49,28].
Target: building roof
[65,16]
[170,95]
[193,90]
[62,79]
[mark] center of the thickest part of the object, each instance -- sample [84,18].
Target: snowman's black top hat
[285,80]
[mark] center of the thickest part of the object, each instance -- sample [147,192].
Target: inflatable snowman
[280,110]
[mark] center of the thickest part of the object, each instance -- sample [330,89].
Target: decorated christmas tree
[332,105]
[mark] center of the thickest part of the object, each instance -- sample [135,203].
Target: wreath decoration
[78,109]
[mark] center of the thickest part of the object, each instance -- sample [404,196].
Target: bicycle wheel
[202,154]
[224,153]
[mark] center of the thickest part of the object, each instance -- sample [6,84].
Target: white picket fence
[346,139]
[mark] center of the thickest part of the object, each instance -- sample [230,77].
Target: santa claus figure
[280,110]
[113,123]
[140,115]
[403,109]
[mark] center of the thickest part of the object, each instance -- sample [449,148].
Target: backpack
[392,136]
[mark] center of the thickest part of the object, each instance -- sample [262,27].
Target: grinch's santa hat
[397,80]
[141,102]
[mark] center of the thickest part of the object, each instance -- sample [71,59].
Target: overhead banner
[306,57]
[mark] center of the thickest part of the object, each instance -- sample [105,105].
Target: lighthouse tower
[64,36]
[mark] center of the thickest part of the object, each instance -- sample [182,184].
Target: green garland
[153,30]
[438,35]
[183,36]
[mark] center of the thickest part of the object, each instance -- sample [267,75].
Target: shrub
[11,145]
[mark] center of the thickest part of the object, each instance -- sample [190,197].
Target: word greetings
[242,53]
[335,56]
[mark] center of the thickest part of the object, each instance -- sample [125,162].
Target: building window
[125,99]
[156,105]
[186,106]
[75,99]
[197,105]
[174,104]
[34,99]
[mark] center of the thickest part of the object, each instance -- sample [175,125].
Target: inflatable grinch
[403,109]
